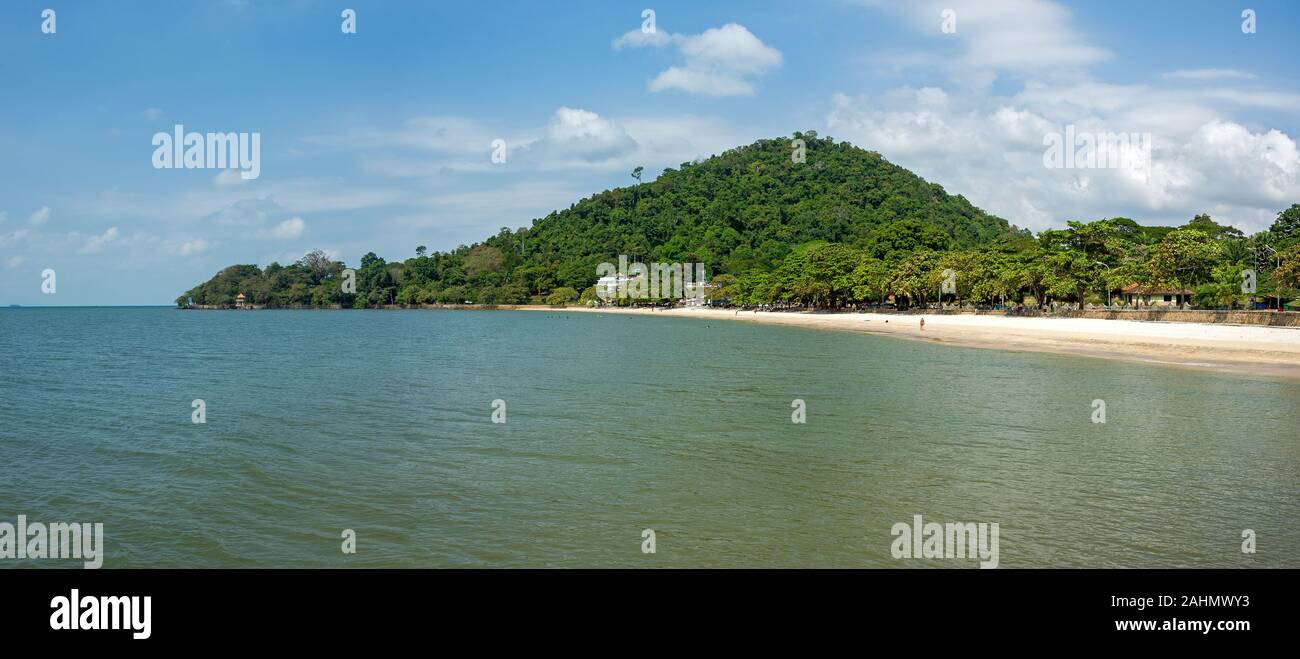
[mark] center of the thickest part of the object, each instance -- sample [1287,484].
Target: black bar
[933,609]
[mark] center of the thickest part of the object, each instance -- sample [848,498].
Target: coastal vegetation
[844,227]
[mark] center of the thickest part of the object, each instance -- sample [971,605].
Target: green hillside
[844,226]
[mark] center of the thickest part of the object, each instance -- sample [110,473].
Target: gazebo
[241,302]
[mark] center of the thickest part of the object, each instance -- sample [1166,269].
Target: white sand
[1273,351]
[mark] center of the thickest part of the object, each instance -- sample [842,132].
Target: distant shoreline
[1247,349]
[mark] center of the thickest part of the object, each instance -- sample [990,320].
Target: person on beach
[922,323]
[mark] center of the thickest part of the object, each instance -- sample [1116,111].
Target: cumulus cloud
[577,133]
[1233,164]
[906,122]
[990,146]
[721,61]
[991,150]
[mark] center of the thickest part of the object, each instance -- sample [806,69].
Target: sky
[383,139]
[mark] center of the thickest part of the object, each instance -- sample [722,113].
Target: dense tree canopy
[843,227]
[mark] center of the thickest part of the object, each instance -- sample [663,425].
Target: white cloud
[990,150]
[15,261]
[286,230]
[39,217]
[638,38]
[584,135]
[705,82]
[252,218]
[572,139]
[989,147]
[1208,74]
[1011,36]
[721,61]
[94,244]
[229,178]
[907,122]
[193,247]
[459,144]
[672,140]
[1228,162]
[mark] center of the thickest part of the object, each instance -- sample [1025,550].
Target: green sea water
[381,422]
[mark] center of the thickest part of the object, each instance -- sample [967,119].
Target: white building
[697,293]
[607,287]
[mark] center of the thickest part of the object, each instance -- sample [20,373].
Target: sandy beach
[1269,351]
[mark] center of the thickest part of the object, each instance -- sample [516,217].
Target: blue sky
[381,140]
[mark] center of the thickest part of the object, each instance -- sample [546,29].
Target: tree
[1205,224]
[318,264]
[1069,274]
[483,259]
[897,239]
[1223,289]
[1183,259]
[1287,226]
[1287,276]
[853,227]
[562,296]
[915,277]
[871,280]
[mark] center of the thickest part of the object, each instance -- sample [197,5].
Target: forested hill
[749,206]
[740,211]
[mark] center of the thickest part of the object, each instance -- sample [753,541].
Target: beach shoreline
[1245,349]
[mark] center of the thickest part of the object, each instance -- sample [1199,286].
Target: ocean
[382,423]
